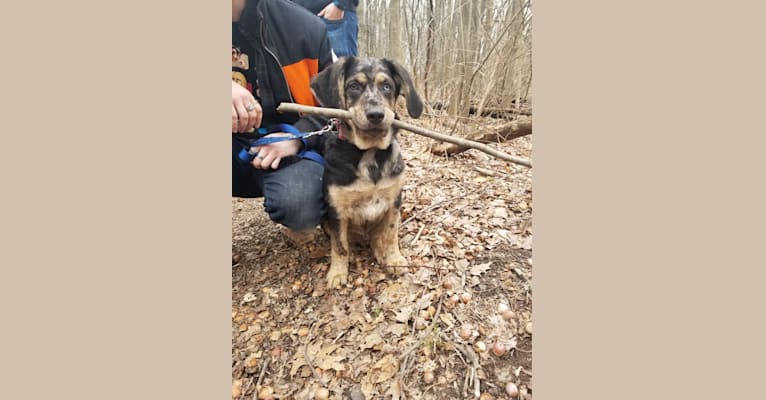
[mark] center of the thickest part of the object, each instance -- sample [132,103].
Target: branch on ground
[504,133]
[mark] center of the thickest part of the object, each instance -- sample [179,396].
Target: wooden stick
[342,114]
[406,357]
[306,356]
[501,134]
[260,378]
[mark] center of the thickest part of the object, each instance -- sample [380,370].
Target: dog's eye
[386,87]
[354,86]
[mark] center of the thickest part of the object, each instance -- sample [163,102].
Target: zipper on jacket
[281,70]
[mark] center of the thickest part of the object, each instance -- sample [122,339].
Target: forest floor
[428,334]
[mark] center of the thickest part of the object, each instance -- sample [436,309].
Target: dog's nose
[375,115]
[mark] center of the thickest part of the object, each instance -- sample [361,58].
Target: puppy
[363,173]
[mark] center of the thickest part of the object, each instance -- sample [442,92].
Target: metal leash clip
[331,124]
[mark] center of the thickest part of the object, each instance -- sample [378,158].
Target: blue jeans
[343,34]
[292,195]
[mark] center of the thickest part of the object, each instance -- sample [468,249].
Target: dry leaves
[480,268]
[467,221]
[321,356]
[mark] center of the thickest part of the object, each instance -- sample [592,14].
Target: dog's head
[368,88]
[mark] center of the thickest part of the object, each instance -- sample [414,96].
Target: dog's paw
[398,264]
[336,277]
[397,261]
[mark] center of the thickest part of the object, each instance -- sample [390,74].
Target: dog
[363,173]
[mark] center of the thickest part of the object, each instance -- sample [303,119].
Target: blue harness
[248,154]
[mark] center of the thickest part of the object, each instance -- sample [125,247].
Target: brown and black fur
[363,174]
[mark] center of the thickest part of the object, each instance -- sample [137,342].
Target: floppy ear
[403,81]
[328,85]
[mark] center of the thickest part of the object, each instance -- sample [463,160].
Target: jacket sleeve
[310,123]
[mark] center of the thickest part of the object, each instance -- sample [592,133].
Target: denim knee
[343,34]
[295,215]
[293,195]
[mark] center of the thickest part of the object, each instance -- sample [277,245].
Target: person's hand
[269,155]
[331,12]
[246,113]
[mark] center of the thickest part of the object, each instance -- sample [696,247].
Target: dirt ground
[428,334]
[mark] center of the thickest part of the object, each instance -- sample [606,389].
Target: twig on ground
[523,351]
[306,356]
[260,378]
[343,114]
[425,210]
[339,335]
[407,353]
[466,382]
[430,267]
[459,355]
[486,172]
[418,235]
[474,363]
[244,390]
[520,274]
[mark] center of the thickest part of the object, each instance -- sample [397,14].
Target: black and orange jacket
[291,47]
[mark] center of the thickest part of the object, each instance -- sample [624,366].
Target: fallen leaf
[485,172]
[356,394]
[458,252]
[398,329]
[404,313]
[384,369]
[391,295]
[236,389]
[500,212]
[448,319]
[331,362]
[424,301]
[423,276]
[395,390]
[480,268]
[248,298]
[368,388]
[371,341]
[514,239]
[320,356]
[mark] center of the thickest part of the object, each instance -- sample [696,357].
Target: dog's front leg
[337,275]
[385,242]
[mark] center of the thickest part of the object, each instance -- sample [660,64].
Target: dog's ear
[328,85]
[403,81]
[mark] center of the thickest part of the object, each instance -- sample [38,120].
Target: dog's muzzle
[375,115]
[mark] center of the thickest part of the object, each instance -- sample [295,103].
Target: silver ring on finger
[250,107]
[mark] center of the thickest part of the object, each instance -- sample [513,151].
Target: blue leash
[248,154]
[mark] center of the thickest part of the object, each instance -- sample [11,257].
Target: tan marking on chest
[364,202]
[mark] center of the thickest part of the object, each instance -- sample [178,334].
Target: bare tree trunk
[395,31]
[430,27]
[463,54]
